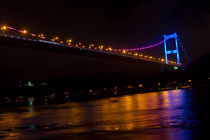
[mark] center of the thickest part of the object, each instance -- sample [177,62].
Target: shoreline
[59,100]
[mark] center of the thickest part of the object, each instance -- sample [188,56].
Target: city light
[41,36]
[140,85]
[55,39]
[135,54]
[4,28]
[30,100]
[109,49]
[24,31]
[176,68]
[123,51]
[101,47]
[69,41]
[33,35]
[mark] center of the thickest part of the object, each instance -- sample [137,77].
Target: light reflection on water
[159,115]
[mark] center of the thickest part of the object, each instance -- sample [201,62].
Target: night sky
[120,24]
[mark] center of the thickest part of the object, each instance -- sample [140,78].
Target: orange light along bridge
[133,53]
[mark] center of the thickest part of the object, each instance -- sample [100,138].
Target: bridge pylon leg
[175,51]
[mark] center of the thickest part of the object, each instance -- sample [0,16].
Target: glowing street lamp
[123,51]
[140,85]
[55,38]
[24,31]
[135,54]
[101,47]
[40,35]
[69,41]
[90,46]
[4,28]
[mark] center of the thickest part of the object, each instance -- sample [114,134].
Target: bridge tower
[175,51]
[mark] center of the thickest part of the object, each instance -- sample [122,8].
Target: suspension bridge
[126,52]
[27,55]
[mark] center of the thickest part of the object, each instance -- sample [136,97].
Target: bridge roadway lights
[176,51]
[166,38]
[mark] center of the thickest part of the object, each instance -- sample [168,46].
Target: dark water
[171,115]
